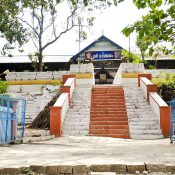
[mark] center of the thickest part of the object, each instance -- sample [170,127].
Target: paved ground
[88,150]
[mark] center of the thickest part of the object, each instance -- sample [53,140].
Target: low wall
[147,86]
[155,72]
[37,97]
[162,110]
[13,76]
[58,111]
[82,68]
[81,71]
[57,114]
[149,76]
[132,67]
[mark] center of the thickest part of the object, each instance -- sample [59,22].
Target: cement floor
[88,150]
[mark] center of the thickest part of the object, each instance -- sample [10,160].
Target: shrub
[3,87]
[166,85]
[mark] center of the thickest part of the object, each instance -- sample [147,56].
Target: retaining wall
[155,72]
[37,97]
[55,75]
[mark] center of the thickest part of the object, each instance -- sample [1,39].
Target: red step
[107,131]
[108,116]
[109,123]
[108,127]
[109,119]
[108,110]
[108,113]
[122,136]
[112,105]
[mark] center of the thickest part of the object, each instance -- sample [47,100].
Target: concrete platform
[154,155]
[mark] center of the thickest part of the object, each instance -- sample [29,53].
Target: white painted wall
[82,68]
[63,101]
[143,84]
[118,77]
[37,97]
[132,67]
[156,102]
[155,72]
[55,75]
[70,82]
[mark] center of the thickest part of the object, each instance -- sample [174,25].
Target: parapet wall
[132,67]
[155,72]
[55,75]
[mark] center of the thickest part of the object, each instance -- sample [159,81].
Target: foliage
[151,67]
[130,57]
[10,28]
[155,27]
[166,85]
[3,87]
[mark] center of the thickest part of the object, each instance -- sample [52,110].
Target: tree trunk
[40,59]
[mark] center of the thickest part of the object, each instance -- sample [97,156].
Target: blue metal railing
[172,121]
[12,119]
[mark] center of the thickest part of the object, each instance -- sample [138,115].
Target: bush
[166,85]
[132,58]
[3,87]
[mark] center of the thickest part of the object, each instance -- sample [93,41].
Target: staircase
[108,116]
[76,122]
[143,123]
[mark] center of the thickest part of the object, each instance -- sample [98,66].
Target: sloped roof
[25,59]
[93,43]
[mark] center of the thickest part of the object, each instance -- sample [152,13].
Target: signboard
[102,55]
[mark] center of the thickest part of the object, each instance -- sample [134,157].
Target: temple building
[105,56]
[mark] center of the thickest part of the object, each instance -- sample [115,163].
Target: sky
[109,22]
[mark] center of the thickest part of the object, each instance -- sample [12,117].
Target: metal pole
[79,37]
[129,49]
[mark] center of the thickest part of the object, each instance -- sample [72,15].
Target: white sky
[111,21]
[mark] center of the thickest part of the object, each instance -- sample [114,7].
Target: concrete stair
[143,122]
[76,122]
[108,116]
[36,135]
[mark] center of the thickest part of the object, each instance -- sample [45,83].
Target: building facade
[105,56]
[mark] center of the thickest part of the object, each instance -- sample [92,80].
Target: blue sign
[100,55]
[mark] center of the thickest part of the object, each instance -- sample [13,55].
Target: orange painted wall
[165,120]
[151,88]
[55,121]
[149,76]
[65,77]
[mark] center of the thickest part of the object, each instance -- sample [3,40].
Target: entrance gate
[12,119]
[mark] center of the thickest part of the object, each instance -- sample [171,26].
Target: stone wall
[37,97]
[155,72]
[55,75]
[132,67]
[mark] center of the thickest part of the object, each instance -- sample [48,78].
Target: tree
[39,20]
[158,26]
[10,28]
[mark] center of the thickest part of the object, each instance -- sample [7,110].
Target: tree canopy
[10,28]
[158,26]
[41,21]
